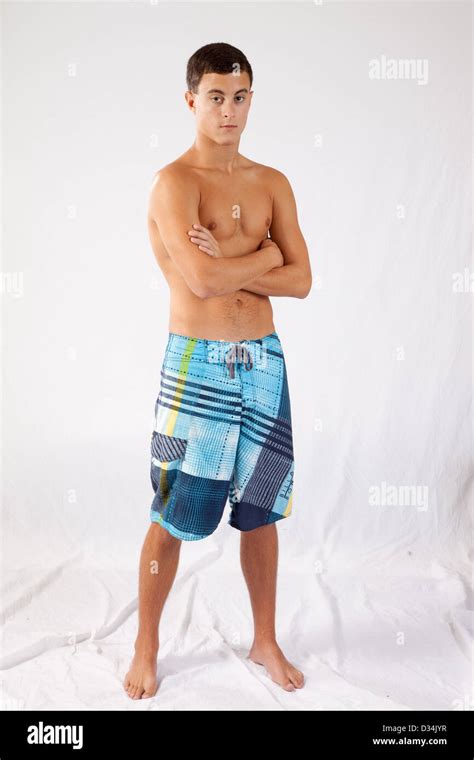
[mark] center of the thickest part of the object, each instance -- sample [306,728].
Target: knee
[163,537]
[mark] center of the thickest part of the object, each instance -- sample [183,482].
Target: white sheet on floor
[374,593]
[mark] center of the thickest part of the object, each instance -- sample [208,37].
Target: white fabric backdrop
[374,600]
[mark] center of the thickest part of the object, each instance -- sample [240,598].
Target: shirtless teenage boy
[225,233]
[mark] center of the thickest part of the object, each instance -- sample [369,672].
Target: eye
[240,96]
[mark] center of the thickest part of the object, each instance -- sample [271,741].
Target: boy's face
[222,99]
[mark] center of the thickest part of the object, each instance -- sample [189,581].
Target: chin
[229,139]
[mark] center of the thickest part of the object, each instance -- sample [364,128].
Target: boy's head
[219,79]
[216,58]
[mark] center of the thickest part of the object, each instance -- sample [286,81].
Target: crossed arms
[279,267]
[294,278]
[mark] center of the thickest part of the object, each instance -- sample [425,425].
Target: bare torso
[237,209]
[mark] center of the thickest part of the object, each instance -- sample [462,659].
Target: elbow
[203,285]
[201,290]
[304,287]
[210,290]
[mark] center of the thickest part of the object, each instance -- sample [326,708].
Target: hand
[205,240]
[267,243]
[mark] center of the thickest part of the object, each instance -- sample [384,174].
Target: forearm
[288,280]
[226,275]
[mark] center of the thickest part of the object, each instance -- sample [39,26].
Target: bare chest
[238,217]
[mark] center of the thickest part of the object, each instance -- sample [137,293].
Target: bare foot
[280,670]
[140,681]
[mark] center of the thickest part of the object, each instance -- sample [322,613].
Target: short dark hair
[215,58]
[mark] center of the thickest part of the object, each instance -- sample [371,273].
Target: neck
[210,155]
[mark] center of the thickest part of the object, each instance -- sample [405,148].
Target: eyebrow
[221,92]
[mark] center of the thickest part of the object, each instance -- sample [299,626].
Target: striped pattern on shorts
[222,433]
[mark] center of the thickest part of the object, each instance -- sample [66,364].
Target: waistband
[246,352]
[219,341]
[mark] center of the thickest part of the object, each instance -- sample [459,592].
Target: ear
[189,98]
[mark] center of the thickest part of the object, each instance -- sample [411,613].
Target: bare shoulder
[276,177]
[173,189]
[272,177]
[174,175]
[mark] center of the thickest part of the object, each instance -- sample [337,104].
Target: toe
[150,690]
[298,679]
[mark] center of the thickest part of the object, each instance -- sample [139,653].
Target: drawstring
[243,355]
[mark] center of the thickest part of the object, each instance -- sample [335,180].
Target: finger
[202,238]
[205,249]
[205,246]
[198,229]
[204,230]
[200,235]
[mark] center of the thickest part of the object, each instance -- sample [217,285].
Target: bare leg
[259,560]
[158,564]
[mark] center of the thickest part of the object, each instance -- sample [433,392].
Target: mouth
[229,126]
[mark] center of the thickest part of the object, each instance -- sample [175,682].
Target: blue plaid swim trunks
[222,432]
